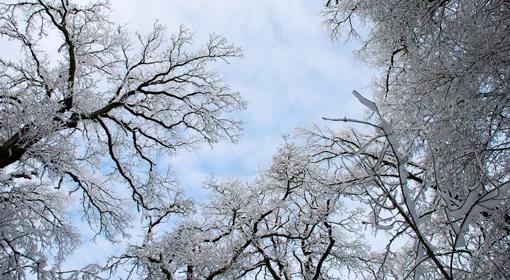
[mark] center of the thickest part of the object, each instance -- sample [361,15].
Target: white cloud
[292,74]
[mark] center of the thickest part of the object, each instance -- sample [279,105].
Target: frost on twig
[90,121]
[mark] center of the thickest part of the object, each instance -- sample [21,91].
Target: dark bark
[13,149]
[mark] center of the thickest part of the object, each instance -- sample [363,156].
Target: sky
[292,75]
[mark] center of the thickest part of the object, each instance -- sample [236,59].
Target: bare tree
[431,168]
[444,236]
[432,165]
[286,224]
[94,116]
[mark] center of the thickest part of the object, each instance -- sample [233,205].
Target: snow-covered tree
[286,224]
[432,164]
[427,169]
[85,121]
[429,164]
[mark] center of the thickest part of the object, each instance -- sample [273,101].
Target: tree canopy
[426,168]
[90,125]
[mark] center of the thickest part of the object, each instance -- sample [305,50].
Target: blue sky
[292,74]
